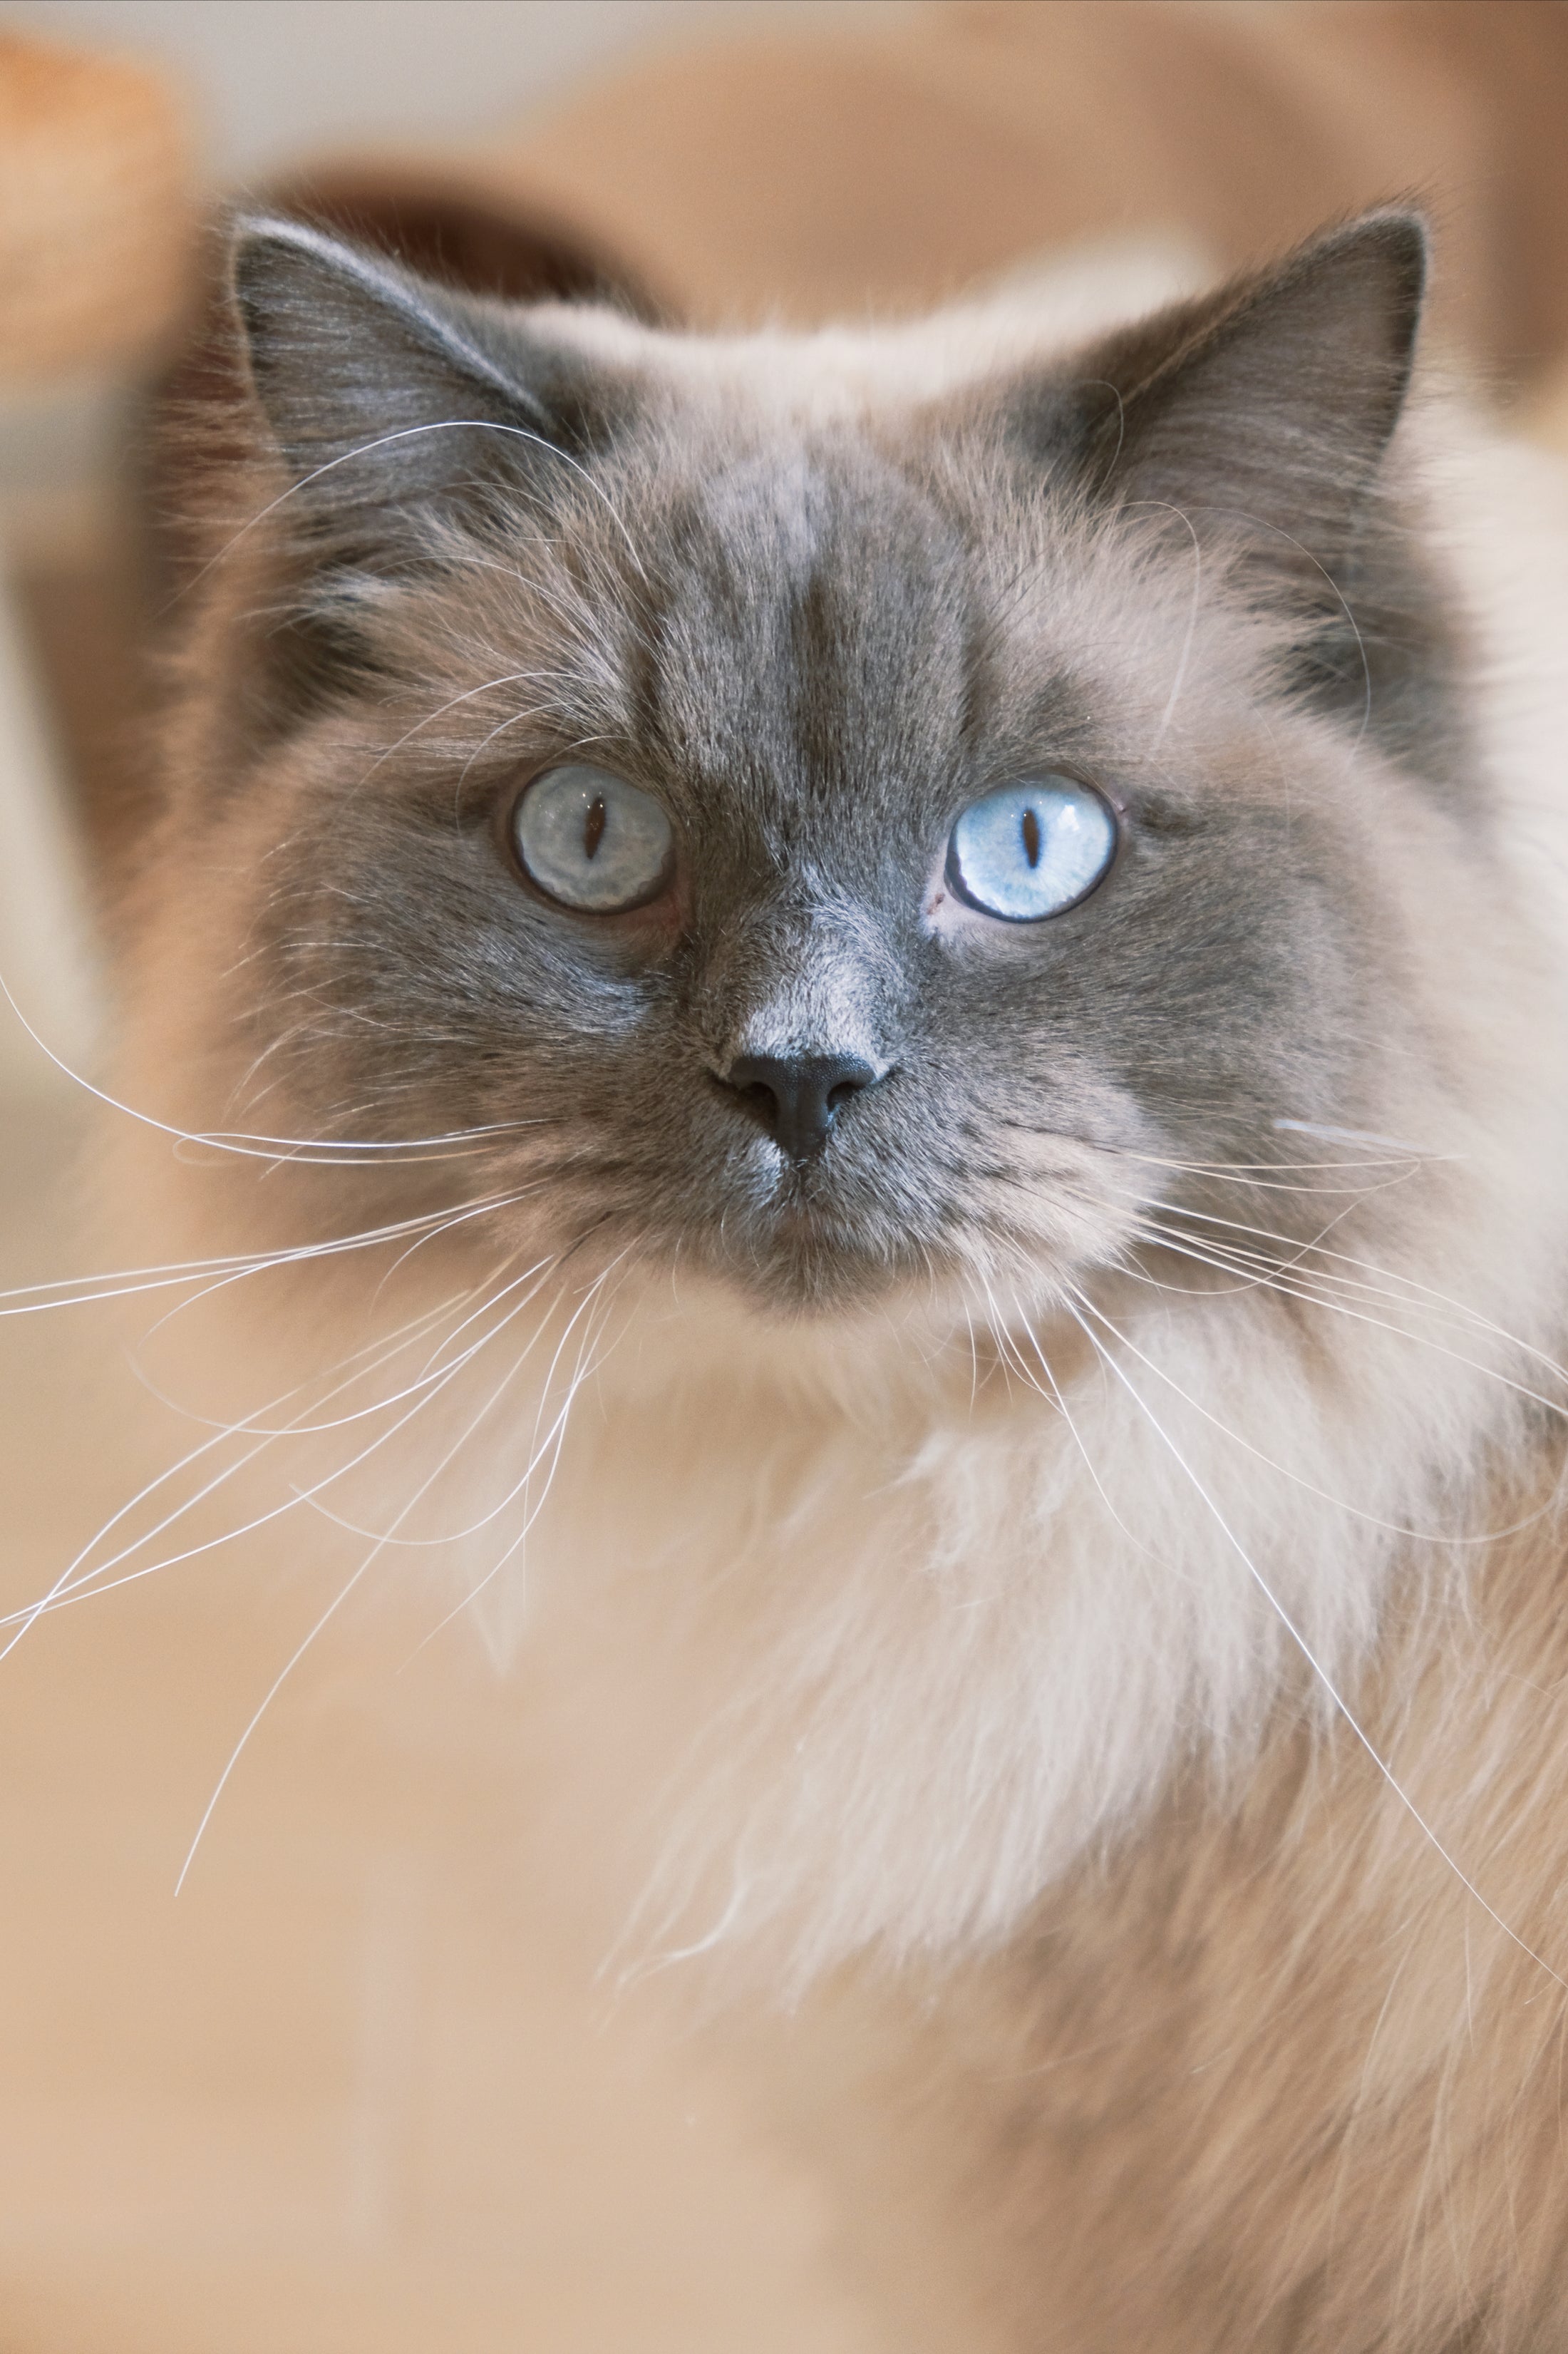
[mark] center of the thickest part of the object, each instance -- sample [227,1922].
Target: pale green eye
[592,840]
[1031,850]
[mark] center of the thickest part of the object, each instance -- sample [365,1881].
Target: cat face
[842,815]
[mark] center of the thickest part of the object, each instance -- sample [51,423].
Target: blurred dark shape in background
[467,234]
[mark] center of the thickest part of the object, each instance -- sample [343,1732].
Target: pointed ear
[389,400]
[1270,406]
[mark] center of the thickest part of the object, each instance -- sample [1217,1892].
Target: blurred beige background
[355,2091]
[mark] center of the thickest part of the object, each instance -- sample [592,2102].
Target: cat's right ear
[390,402]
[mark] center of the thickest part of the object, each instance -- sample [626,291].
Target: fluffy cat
[965,931]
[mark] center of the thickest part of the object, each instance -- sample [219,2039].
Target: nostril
[797,1097]
[760,1099]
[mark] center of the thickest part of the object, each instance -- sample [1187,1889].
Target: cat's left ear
[1268,408]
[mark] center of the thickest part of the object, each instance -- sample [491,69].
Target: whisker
[430,1371]
[1480,1323]
[129,1282]
[1391,1528]
[90,1587]
[224,1282]
[1266,1175]
[456,1536]
[329,1613]
[1077,1439]
[1351,1136]
[581,1372]
[498,1202]
[509,678]
[74,1579]
[1310,1656]
[272,1691]
[385,440]
[1268,1266]
[355,1529]
[1261,1268]
[1303,1644]
[329,1151]
[78,1583]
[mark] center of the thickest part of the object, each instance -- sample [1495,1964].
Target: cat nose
[797,1096]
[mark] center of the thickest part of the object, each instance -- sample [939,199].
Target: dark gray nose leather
[797,1097]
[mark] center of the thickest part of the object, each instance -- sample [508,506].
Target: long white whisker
[329,1151]
[429,1372]
[1297,1479]
[332,1607]
[584,1366]
[128,1282]
[456,1536]
[223,1282]
[354,1529]
[508,678]
[406,433]
[1307,1653]
[1034,1339]
[457,1218]
[1368,1268]
[87,1585]
[75,1578]
[1294,1287]
[89,1589]
[1318,1287]
[1261,1267]
[272,1691]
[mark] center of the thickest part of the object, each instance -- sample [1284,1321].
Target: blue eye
[592,840]
[1031,850]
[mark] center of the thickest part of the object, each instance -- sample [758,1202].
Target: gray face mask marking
[800,1054]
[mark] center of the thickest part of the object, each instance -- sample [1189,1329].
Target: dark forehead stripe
[810,623]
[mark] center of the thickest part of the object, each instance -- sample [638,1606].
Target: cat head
[845,812]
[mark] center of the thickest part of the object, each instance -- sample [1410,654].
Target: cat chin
[860,1340]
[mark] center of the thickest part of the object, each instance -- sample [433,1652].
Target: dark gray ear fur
[387,399]
[1261,416]
[1271,406]
[397,410]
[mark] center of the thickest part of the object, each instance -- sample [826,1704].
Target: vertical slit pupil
[593,827]
[1031,838]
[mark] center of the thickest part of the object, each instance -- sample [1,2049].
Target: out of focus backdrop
[353,2093]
